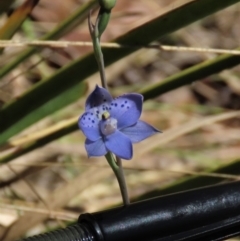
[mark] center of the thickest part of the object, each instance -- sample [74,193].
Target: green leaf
[47,108]
[190,75]
[45,139]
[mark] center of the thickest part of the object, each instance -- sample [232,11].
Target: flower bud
[107,4]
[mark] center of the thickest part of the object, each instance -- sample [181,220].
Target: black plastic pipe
[211,213]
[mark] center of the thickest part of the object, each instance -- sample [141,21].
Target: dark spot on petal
[110,108]
[122,106]
[125,101]
[115,104]
[112,104]
[91,113]
[128,107]
[89,118]
[97,111]
[93,121]
[84,118]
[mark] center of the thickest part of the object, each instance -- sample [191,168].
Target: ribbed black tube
[77,232]
[211,213]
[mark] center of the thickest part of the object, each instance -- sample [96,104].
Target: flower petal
[119,144]
[95,148]
[98,97]
[89,124]
[126,109]
[140,131]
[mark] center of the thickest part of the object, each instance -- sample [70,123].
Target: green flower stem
[96,32]
[95,35]
[100,61]
[118,171]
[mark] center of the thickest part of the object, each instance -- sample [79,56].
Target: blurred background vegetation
[46,179]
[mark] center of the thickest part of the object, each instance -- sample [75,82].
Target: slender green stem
[96,32]
[100,62]
[124,190]
[95,35]
[118,171]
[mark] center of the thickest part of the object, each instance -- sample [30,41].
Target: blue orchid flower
[112,125]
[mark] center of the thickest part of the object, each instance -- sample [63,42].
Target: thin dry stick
[65,216]
[133,168]
[39,134]
[175,132]
[65,44]
[21,73]
[30,186]
[36,193]
[171,133]
[226,176]
[57,199]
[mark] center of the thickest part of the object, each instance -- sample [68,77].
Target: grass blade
[16,19]
[78,17]
[67,128]
[190,75]
[49,107]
